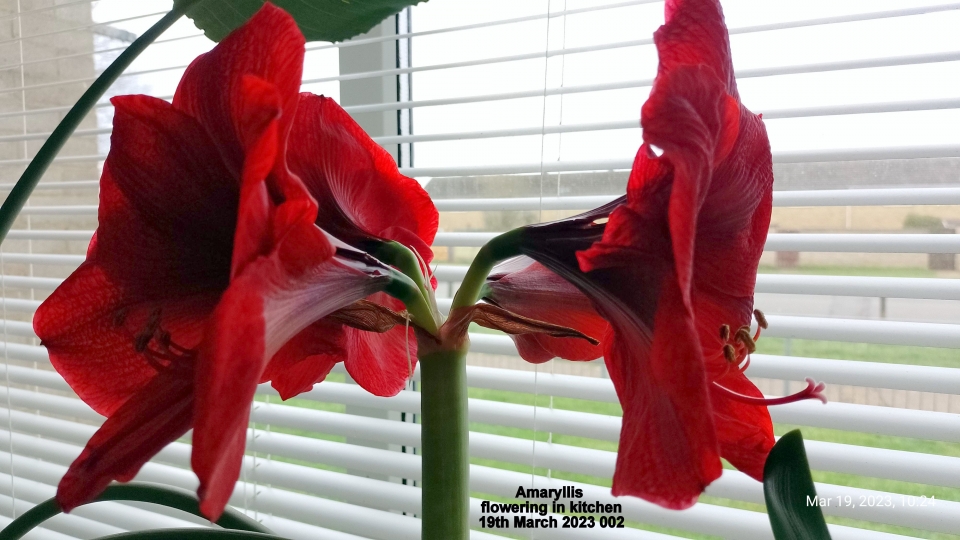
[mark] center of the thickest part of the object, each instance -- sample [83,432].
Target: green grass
[867,352]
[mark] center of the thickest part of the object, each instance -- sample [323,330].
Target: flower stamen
[740,342]
[761,319]
[120,317]
[814,390]
[156,344]
[746,363]
[761,323]
[743,336]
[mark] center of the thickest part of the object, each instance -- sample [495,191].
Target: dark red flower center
[155,343]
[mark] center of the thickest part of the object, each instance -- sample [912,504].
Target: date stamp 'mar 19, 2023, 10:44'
[874,500]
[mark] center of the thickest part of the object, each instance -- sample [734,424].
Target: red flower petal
[736,205]
[694,34]
[356,182]
[270,47]
[284,277]
[157,415]
[158,228]
[744,431]
[270,302]
[89,327]
[695,122]
[381,363]
[258,110]
[735,217]
[668,451]
[528,288]
[306,359]
[160,245]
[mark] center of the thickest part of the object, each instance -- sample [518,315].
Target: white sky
[921,34]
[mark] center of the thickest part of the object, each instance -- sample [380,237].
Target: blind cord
[543,126]
[3,286]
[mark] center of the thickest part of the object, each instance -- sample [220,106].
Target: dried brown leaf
[369,316]
[497,318]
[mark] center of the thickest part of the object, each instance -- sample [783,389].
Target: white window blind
[513,112]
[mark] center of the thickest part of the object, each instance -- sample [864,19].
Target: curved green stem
[190,534]
[52,146]
[404,289]
[501,247]
[403,258]
[180,499]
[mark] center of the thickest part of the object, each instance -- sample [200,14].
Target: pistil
[814,390]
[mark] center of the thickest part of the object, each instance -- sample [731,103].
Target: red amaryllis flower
[673,271]
[207,263]
[364,201]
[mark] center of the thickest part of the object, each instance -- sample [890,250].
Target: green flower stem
[501,247]
[445,435]
[403,258]
[52,146]
[151,493]
[404,289]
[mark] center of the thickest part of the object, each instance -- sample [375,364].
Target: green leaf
[792,503]
[319,20]
[193,533]
[168,496]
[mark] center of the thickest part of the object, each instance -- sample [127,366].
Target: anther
[814,390]
[743,336]
[141,341]
[163,337]
[761,319]
[153,322]
[724,332]
[729,353]
[119,317]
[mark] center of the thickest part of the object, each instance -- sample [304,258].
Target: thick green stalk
[445,445]
[52,146]
[150,493]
